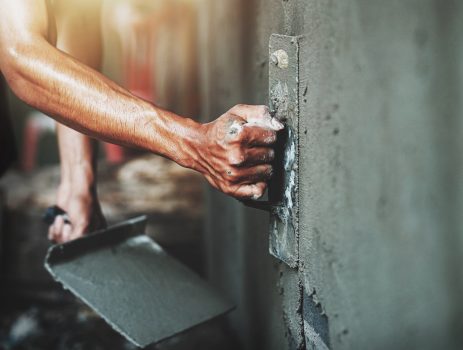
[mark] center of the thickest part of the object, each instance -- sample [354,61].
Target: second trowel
[132,283]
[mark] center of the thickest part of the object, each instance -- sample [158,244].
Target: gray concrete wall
[381,172]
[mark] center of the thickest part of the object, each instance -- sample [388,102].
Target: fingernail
[257,194]
[276,124]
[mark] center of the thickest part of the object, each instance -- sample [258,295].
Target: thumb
[77,232]
[258,116]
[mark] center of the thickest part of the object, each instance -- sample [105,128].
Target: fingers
[240,191]
[61,231]
[252,175]
[75,233]
[257,136]
[260,129]
[251,191]
[66,233]
[257,115]
[78,215]
[51,232]
[237,158]
[250,156]
[56,230]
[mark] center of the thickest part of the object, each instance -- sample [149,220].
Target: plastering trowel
[130,281]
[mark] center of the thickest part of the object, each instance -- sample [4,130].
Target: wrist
[174,137]
[69,192]
[78,179]
[189,152]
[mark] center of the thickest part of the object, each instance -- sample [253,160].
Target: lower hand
[83,211]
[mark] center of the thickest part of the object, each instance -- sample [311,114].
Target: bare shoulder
[23,19]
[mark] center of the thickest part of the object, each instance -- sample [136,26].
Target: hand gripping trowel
[130,281]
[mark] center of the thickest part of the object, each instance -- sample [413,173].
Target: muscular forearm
[233,152]
[77,194]
[78,161]
[85,100]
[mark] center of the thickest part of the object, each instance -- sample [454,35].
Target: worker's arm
[232,152]
[79,28]
[77,192]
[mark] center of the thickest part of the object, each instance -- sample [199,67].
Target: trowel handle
[52,212]
[269,206]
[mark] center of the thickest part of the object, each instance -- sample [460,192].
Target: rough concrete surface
[380,171]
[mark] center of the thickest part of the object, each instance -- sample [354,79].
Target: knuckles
[259,111]
[236,158]
[234,178]
[253,192]
[271,137]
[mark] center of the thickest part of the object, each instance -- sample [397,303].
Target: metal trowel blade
[132,283]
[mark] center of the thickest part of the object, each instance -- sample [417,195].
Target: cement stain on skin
[235,127]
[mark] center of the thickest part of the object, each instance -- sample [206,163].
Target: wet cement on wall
[380,172]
